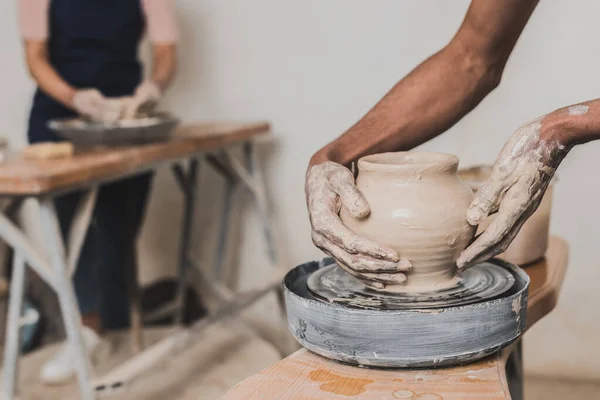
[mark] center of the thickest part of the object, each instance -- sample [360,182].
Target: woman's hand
[519,178]
[92,104]
[144,100]
[329,186]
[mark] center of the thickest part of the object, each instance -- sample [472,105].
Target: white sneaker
[60,368]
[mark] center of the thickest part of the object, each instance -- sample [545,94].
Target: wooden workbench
[23,177]
[87,170]
[307,376]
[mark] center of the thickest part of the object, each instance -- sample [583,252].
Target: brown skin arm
[441,90]
[164,64]
[49,81]
[521,174]
[573,125]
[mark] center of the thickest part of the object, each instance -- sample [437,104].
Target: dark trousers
[108,250]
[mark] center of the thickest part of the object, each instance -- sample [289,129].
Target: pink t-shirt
[160,19]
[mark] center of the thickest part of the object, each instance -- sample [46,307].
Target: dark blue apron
[94,44]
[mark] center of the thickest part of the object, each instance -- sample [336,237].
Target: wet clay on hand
[517,183]
[329,187]
[531,242]
[418,206]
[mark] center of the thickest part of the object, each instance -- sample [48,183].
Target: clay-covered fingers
[490,252]
[359,263]
[332,228]
[341,181]
[330,186]
[377,281]
[485,201]
[513,211]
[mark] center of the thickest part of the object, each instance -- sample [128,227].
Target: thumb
[342,183]
[131,108]
[485,201]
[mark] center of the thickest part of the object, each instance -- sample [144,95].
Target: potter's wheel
[476,318]
[483,281]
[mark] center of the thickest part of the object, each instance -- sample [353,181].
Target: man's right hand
[92,104]
[329,186]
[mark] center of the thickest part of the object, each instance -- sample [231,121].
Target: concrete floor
[537,388]
[223,355]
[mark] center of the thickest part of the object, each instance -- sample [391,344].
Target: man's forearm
[572,125]
[441,90]
[428,101]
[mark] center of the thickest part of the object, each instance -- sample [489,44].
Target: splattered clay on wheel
[483,281]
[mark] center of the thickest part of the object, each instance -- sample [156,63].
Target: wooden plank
[547,277]
[24,177]
[307,376]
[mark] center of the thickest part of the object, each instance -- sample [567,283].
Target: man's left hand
[519,178]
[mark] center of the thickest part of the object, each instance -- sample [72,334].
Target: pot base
[483,281]
[423,334]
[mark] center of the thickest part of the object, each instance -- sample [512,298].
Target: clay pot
[418,208]
[531,243]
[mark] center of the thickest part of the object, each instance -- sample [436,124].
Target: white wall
[313,67]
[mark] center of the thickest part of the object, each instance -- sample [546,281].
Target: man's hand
[329,186]
[519,178]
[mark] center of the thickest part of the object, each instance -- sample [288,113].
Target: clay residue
[516,307]
[410,395]
[579,109]
[472,378]
[358,302]
[403,394]
[427,396]
[338,384]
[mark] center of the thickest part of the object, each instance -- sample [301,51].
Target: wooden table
[307,376]
[42,180]
[22,177]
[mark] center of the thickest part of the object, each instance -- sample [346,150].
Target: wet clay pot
[418,208]
[531,242]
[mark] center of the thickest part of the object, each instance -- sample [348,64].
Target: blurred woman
[83,54]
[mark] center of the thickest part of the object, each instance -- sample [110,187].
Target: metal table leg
[224,224]
[66,296]
[260,196]
[187,183]
[250,175]
[11,343]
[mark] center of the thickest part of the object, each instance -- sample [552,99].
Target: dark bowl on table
[155,128]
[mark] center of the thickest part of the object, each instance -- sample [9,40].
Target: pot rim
[408,160]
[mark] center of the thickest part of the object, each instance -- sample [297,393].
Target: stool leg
[514,372]
[12,340]
[66,297]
